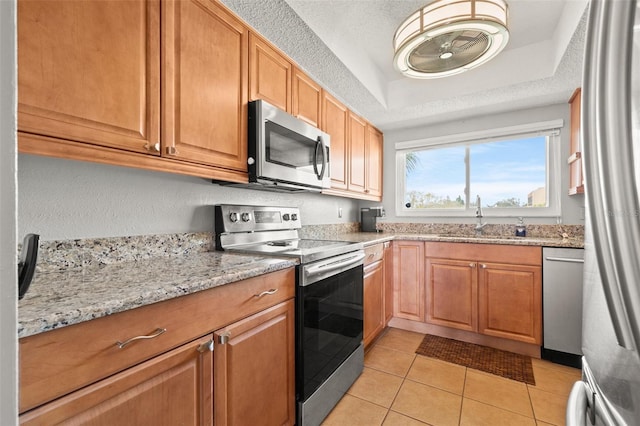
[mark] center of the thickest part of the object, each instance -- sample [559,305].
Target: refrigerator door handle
[577,405]
[611,189]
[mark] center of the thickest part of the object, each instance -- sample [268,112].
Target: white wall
[572,206]
[65,199]
[8,268]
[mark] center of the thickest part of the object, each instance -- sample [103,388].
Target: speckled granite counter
[65,297]
[79,280]
[369,238]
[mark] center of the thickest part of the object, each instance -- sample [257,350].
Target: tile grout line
[404,379]
[464,386]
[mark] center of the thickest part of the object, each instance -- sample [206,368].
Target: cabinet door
[335,119]
[90,72]
[357,153]
[270,74]
[388,282]
[374,162]
[408,291]
[170,389]
[510,301]
[452,295]
[307,98]
[204,85]
[254,373]
[373,298]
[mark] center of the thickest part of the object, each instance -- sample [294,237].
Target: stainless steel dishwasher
[562,305]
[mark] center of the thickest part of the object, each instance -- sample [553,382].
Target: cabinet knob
[483,266]
[152,147]
[224,338]
[206,347]
[472,265]
[171,150]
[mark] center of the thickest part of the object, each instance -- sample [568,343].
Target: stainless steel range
[329,305]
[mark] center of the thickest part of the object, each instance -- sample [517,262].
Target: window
[515,171]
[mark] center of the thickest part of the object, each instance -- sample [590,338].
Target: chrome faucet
[479,224]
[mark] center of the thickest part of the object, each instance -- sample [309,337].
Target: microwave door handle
[320,143]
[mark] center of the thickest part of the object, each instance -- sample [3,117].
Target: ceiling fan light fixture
[447,37]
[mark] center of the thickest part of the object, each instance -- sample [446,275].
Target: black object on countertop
[27,264]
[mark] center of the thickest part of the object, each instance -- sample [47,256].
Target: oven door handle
[336,265]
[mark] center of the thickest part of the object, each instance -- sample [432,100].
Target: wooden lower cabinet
[181,373]
[170,389]
[452,293]
[254,372]
[474,287]
[374,316]
[408,290]
[510,301]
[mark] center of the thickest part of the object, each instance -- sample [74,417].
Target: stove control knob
[233,217]
[246,217]
[294,216]
[285,217]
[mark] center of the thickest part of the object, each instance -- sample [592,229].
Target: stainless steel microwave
[286,152]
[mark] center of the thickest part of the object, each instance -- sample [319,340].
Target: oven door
[287,149]
[329,318]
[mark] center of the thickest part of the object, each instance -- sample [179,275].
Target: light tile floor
[401,388]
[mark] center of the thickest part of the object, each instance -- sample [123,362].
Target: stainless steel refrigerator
[609,393]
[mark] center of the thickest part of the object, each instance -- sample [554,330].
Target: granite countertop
[82,280]
[60,298]
[370,238]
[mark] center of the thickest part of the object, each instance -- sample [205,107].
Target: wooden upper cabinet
[90,72]
[357,153]
[307,98]
[205,84]
[274,78]
[374,162]
[576,175]
[270,74]
[335,119]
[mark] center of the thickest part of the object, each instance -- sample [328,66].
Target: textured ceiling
[345,45]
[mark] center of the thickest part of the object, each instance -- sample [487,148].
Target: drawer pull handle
[156,333]
[266,292]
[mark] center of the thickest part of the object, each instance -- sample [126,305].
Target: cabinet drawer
[373,253]
[57,362]
[500,253]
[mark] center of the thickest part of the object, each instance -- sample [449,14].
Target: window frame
[552,129]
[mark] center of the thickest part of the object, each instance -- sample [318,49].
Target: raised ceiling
[346,46]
